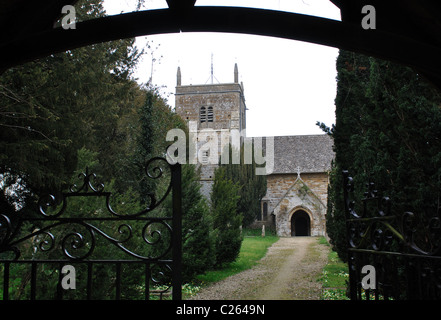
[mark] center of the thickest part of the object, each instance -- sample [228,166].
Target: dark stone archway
[300,224]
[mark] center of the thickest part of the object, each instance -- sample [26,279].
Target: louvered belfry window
[210,114]
[203,115]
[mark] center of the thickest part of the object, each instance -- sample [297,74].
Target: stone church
[296,198]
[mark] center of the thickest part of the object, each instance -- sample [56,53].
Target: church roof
[309,153]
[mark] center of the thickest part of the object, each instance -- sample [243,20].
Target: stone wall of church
[278,185]
[318,182]
[299,196]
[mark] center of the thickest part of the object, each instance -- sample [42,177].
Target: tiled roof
[311,153]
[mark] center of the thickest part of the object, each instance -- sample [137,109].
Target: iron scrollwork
[62,234]
[405,252]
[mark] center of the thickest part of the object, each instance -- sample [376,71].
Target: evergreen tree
[252,187]
[53,106]
[352,77]
[388,123]
[197,242]
[72,109]
[227,221]
[145,145]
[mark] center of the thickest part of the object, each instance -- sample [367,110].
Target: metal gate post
[350,255]
[177,231]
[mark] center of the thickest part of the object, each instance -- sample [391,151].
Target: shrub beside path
[289,271]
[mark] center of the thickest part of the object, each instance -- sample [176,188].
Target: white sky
[289,85]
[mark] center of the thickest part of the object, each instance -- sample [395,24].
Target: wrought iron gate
[60,253]
[402,251]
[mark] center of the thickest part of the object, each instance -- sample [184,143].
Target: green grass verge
[252,250]
[334,277]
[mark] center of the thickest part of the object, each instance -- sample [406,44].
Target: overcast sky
[289,85]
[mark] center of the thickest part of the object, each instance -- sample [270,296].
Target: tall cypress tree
[352,76]
[145,146]
[197,243]
[388,123]
[227,221]
[252,187]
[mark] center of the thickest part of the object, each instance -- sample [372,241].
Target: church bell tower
[211,108]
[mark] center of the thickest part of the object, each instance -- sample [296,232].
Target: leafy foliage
[252,187]
[52,107]
[82,109]
[388,124]
[197,242]
[227,221]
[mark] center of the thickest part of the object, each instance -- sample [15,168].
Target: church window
[203,115]
[210,114]
[265,211]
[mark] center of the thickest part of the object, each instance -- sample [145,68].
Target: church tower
[208,109]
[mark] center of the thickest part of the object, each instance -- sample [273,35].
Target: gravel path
[289,271]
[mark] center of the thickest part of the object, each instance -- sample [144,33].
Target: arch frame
[295,210]
[263,22]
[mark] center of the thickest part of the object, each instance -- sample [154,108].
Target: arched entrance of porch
[300,223]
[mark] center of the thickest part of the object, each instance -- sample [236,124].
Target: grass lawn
[252,250]
[334,278]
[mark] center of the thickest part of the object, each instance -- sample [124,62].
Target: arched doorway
[300,224]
